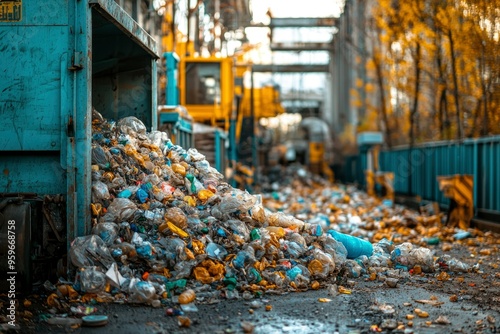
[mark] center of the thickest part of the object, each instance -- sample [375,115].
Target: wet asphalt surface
[462,303]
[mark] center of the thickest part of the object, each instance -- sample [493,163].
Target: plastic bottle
[354,245]
[187,296]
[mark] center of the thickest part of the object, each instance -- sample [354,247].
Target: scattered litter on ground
[168,230]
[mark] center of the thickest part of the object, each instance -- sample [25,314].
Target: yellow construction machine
[210,86]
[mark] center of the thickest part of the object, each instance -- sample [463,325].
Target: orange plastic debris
[187,296]
[52,300]
[201,274]
[181,233]
[343,290]
[190,200]
[183,321]
[179,169]
[198,247]
[204,195]
[315,267]
[189,254]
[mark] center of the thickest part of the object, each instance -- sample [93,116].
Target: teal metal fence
[416,169]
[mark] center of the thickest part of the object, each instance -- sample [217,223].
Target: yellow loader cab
[207,89]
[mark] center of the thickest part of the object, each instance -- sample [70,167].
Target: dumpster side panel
[51,60]
[41,173]
[35,98]
[41,13]
[31,87]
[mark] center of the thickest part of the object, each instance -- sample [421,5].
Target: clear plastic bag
[117,183]
[90,251]
[99,157]
[193,184]
[131,123]
[208,172]
[120,209]
[326,260]
[152,178]
[177,217]
[448,263]
[241,259]
[353,269]
[183,269]
[237,200]
[195,155]
[336,249]
[294,249]
[92,280]
[257,212]
[424,257]
[379,260]
[215,251]
[100,192]
[400,253]
[238,227]
[108,232]
[141,291]
[159,139]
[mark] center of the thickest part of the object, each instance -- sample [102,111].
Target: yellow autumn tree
[435,66]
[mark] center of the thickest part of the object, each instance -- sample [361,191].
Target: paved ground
[371,307]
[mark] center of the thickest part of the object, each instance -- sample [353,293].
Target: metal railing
[416,169]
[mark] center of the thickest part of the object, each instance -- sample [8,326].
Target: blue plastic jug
[355,246]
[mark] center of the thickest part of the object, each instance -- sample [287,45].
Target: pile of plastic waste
[168,227]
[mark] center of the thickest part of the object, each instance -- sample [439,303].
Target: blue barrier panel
[416,169]
[351,170]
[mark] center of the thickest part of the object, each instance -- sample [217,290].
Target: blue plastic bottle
[355,246]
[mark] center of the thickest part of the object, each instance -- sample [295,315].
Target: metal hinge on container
[76,61]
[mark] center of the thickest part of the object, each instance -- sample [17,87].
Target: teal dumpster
[59,60]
